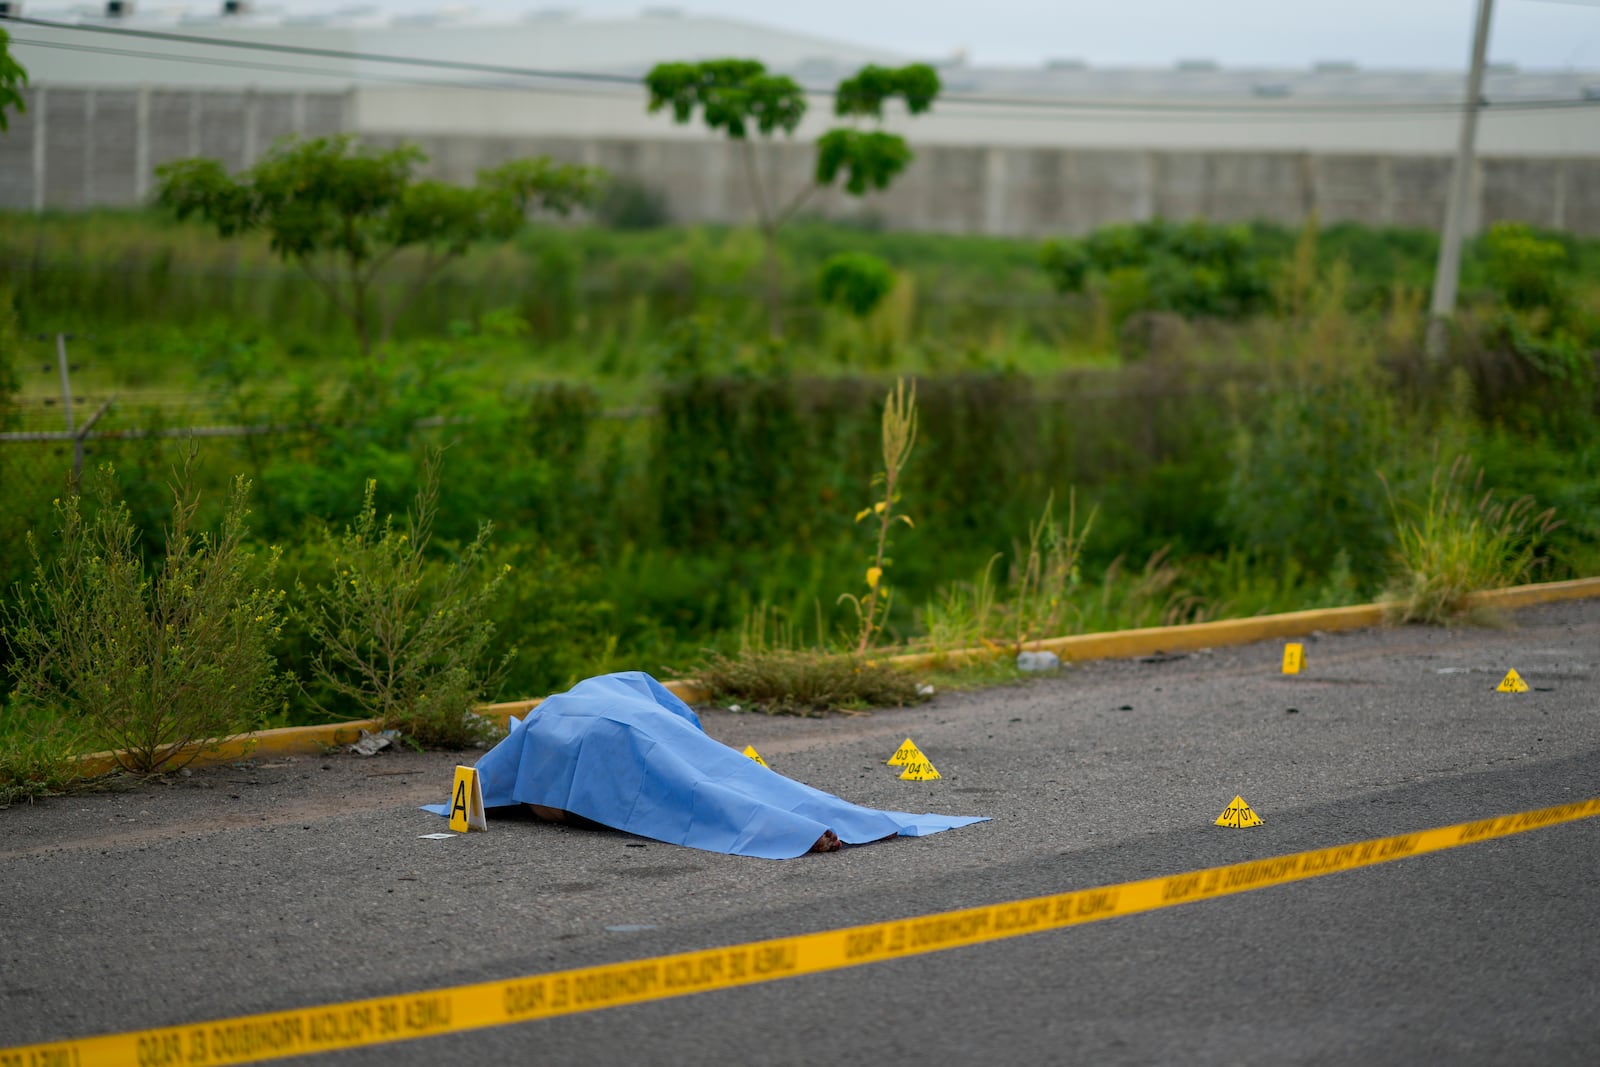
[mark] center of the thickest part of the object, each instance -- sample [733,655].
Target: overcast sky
[1436,34]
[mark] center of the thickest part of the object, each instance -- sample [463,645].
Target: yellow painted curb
[316,740]
[284,741]
[301,740]
[1521,596]
[1128,643]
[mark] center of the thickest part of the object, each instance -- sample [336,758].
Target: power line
[284,68]
[1087,113]
[1249,111]
[333,53]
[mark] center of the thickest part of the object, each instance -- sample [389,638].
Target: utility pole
[1447,274]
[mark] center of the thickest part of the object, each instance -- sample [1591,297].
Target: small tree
[342,213]
[740,98]
[12,81]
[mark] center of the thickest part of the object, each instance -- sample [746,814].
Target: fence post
[66,405]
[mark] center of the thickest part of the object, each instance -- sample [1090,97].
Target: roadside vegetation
[588,443]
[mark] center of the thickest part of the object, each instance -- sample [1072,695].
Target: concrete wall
[76,148]
[1360,127]
[1032,192]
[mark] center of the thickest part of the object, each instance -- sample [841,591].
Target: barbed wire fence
[50,438]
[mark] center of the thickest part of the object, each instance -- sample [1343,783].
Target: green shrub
[855,281]
[1193,268]
[402,637]
[150,664]
[1066,262]
[1526,269]
[1458,540]
[630,204]
[1305,485]
[564,625]
[1550,350]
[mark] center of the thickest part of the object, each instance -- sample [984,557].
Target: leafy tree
[12,80]
[855,281]
[343,213]
[742,100]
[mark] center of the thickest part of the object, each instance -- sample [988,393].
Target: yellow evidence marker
[906,751]
[1294,657]
[1238,815]
[1512,683]
[466,801]
[918,769]
[750,750]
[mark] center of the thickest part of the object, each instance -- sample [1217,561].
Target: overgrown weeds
[1037,601]
[1459,540]
[150,665]
[782,681]
[35,753]
[403,637]
[1044,574]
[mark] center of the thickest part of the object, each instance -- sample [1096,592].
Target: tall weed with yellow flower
[804,681]
[899,436]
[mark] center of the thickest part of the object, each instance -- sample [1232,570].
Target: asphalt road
[260,887]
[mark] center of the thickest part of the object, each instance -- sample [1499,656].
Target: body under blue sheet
[622,750]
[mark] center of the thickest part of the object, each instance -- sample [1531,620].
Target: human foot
[544,814]
[828,842]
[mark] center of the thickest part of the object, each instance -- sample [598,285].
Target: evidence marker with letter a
[466,801]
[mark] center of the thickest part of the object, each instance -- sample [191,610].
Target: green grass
[35,753]
[1459,539]
[1233,471]
[806,682]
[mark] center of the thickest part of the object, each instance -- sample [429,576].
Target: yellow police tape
[271,1035]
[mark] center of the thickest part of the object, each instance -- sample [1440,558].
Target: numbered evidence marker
[750,750]
[918,769]
[1512,683]
[906,751]
[1238,815]
[466,802]
[1294,658]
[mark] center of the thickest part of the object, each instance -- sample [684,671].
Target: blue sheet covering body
[622,750]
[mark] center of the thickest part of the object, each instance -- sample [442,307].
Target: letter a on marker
[466,802]
[1512,683]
